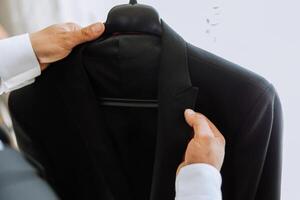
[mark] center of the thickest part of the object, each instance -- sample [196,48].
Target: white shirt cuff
[198,181]
[19,65]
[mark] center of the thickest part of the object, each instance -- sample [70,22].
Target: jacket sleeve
[270,181]
[257,150]
[19,180]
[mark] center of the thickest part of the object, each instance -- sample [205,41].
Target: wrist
[198,180]
[37,49]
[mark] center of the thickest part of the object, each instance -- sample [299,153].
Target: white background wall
[262,36]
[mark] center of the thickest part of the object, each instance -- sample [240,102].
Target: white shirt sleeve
[198,182]
[18,63]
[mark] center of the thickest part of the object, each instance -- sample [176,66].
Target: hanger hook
[133,2]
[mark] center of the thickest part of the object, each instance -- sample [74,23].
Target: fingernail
[98,27]
[189,111]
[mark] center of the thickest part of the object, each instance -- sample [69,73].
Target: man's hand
[57,41]
[208,144]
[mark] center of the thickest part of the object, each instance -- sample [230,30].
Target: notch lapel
[175,93]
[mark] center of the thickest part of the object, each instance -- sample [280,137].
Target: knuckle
[198,117]
[85,32]
[71,25]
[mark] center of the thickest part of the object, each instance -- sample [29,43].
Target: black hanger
[122,102]
[132,18]
[132,2]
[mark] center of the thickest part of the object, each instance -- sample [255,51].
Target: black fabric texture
[94,152]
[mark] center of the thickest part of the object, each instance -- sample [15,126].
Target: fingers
[88,33]
[202,125]
[199,124]
[215,130]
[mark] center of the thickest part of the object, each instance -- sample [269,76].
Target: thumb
[88,33]
[198,122]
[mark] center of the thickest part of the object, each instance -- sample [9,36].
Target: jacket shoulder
[228,84]
[200,59]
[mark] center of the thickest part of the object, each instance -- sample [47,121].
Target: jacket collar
[175,93]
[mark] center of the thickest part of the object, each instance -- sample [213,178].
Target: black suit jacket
[95,152]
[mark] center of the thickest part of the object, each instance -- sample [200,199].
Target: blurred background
[262,36]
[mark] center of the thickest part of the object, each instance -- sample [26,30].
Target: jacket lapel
[175,93]
[84,112]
